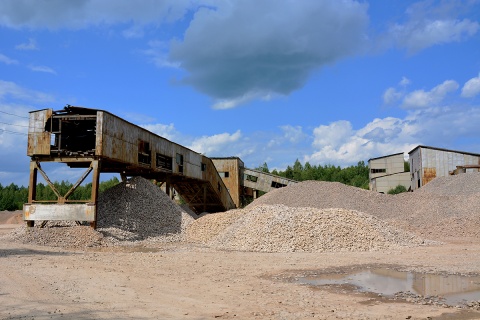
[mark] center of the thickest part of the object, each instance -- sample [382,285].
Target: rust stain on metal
[428,175]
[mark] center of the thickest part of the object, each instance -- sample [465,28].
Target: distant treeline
[13,197]
[356,176]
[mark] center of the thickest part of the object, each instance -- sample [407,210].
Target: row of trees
[356,176]
[13,197]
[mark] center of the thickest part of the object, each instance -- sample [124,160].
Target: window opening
[179,161]
[164,162]
[144,152]
[278,185]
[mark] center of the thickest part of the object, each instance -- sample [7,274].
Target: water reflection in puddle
[454,289]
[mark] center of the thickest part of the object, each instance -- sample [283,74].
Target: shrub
[398,189]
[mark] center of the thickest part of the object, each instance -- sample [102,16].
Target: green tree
[263,168]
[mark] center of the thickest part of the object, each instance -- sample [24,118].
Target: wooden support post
[204,198]
[95,183]
[32,187]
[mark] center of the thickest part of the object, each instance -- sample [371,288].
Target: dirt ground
[182,281]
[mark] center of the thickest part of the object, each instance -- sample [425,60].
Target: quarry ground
[184,281]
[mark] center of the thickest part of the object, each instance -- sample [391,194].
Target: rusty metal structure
[245,184]
[427,163]
[100,142]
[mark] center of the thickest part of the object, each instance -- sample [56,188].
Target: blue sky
[329,82]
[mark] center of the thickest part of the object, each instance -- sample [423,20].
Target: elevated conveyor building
[99,142]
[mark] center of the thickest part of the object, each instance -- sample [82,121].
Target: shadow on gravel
[31,252]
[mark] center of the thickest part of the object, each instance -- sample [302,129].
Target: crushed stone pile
[458,185]
[278,228]
[311,216]
[139,210]
[135,212]
[436,211]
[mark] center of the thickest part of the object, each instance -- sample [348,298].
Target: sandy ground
[182,281]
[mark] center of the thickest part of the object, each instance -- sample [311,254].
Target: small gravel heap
[280,228]
[139,210]
[135,212]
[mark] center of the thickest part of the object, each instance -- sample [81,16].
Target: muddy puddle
[448,289]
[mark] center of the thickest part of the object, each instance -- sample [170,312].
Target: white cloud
[333,134]
[42,69]
[30,45]
[166,131]
[158,52]
[13,91]
[404,82]
[391,95]
[424,99]
[208,145]
[223,104]
[7,60]
[379,137]
[243,49]
[471,88]
[431,23]
[293,134]
[418,36]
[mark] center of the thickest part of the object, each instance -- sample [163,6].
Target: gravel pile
[310,216]
[139,210]
[135,212]
[458,185]
[280,228]
[436,211]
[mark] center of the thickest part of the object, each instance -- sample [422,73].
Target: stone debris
[430,213]
[311,216]
[135,212]
[280,228]
[138,210]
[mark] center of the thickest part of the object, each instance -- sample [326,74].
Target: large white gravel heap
[444,208]
[279,228]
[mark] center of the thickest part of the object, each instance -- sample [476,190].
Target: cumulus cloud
[424,99]
[166,131]
[379,137]
[333,134]
[431,24]
[391,95]
[7,60]
[208,145]
[471,88]
[239,50]
[436,126]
